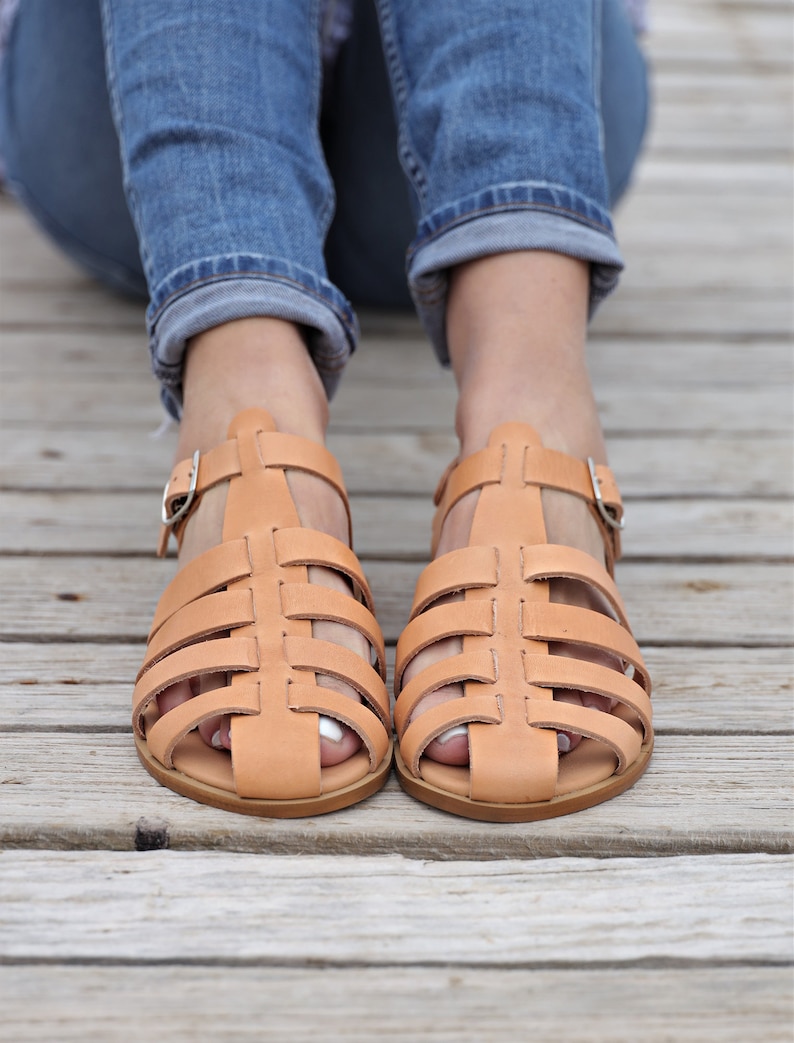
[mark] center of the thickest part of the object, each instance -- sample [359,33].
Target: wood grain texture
[404,359]
[397,528]
[700,795]
[453,1004]
[697,691]
[431,407]
[376,463]
[78,598]
[231,906]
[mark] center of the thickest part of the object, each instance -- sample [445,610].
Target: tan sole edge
[486,811]
[299,808]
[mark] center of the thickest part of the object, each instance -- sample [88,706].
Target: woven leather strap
[245,609]
[506,622]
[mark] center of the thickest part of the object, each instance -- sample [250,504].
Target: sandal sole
[485,811]
[302,807]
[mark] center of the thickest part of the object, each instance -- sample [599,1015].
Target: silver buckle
[184,507]
[608,517]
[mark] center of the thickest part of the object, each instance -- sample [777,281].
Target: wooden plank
[646,465]
[683,174]
[638,314]
[94,1004]
[685,221]
[406,360]
[709,35]
[644,313]
[699,796]
[81,304]
[113,598]
[705,691]
[26,255]
[531,913]
[697,691]
[709,270]
[86,404]
[396,527]
[719,124]
[701,85]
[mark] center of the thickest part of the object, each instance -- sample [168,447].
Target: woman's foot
[261,362]
[516,328]
[569,524]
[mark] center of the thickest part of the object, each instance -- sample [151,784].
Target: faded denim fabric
[217,113]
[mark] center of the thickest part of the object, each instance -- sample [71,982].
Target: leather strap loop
[309,547]
[468,666]
[581,626]
[214,569]
[211,614]
[435,721]
[562,672]
[325,658]
[221,655]
[545,561]
[550,469]
[456,571]
[479,469]
[291,452]
[461,617]
[315,698]
[593,724]
[167,732]
[310,601]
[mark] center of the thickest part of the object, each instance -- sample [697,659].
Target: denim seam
[325,216]
[408,154]
[597,28]
[118,118]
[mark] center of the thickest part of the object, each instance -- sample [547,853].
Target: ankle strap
[545,468]
[194,476]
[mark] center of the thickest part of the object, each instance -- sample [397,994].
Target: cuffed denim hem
[500,220]
[215,290]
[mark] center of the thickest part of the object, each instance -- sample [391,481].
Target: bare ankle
[250,362]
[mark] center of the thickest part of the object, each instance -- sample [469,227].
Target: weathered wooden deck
[664,914]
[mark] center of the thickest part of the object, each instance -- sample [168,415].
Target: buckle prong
[602,508]
[184,507]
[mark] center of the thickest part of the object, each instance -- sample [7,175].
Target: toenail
[215,741]
[331,729]
[452,733]
[563,743]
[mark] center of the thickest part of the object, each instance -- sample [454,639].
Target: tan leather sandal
[506,622]
[246,608]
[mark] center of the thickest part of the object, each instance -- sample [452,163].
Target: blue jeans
[517,125]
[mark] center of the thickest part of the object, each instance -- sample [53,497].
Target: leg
[374,221]
[231,200]
[514,250]
[516,325]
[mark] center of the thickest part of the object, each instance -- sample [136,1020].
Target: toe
[217,732]
[337,742]
[174,696]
